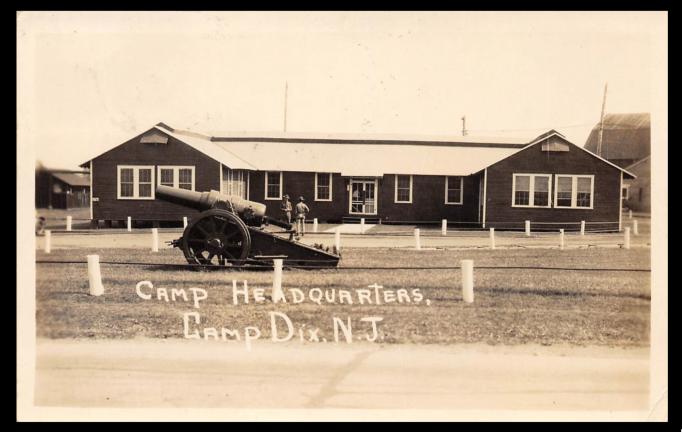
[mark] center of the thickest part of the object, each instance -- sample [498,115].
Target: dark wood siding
[501,214]
[428,198]
[132,152]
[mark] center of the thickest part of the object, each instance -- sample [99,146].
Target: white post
[155,239]
[314,224]
[528,228]
[130,224]
[48,241]
[184,221]
[417,240]
[362,225]
[468,280]
[561,239]
[627,237]
[492,238]
[337,239]
[277,293]
[444,227]
[582,227]
[635,228]
[95,276]
[68,223]
[629,214]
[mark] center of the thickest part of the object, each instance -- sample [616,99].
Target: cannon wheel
[214,237]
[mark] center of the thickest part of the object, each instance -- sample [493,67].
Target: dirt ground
[180,373]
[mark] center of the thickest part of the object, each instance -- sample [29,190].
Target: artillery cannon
[229,231]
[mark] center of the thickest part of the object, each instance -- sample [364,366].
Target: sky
[88,81]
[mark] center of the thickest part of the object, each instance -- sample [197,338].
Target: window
[625,192]
[531,190]
[177,176]
[403,189]
[236,182]
[574,191]
[273,185]
[453,190]
[323,186]
[135,182]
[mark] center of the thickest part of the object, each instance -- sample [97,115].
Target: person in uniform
[301,211]
[285,207]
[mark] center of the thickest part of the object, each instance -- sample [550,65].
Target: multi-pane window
[273,185]
[574,191]
[453,190]
[177,176]
[126,183]
[323,186]
[522,190]
[135,182]
[531,190]
[236,182]
[403,188]
[185,178]
[564,192]
[541,191]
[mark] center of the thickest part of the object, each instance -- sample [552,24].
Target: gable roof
[639,162]
[356,155]
[626,136]
[552,133]
[73,179]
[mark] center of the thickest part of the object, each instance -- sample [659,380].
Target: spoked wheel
[216,238]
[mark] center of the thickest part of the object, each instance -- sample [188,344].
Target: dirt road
[210,374]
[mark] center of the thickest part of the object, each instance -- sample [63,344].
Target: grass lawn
[512,306]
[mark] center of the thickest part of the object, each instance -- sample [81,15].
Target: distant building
[626,141]
[637,192]
[62,189]
[469,181]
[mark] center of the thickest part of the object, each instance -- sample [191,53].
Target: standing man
[285,207]
[301,211]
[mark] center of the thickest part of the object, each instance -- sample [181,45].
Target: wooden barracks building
[497,183]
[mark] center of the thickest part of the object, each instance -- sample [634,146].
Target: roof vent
[154,138]
[554,145]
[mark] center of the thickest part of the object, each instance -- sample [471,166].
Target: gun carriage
[230,231]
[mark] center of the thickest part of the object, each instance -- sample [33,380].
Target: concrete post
[467,280]
[417,239]
[277,293]
[95,276]
[155,239]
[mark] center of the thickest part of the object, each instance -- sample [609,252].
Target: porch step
[356,220]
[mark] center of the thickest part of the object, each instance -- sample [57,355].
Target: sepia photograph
[342,216]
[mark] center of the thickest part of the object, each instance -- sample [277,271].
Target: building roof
[625,136]
[638,163]
[73,179]
[355,155]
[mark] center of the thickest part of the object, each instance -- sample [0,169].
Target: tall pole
[286,90]
[601,122]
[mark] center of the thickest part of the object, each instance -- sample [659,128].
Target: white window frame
[281,185]
[395,195]
[574,191]
[136,182]
[330,187]
[531,190]
[176,174]
[461,191]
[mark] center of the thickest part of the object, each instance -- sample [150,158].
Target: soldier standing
[301,211]
[285,207]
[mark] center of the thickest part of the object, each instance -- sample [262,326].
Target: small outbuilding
[62,189]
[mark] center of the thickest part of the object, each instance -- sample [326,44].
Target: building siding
[500,213]
[132,152]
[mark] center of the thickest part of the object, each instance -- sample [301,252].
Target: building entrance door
[363,197]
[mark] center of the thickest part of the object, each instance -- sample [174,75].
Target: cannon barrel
[212,199]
